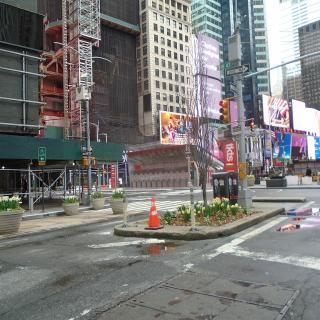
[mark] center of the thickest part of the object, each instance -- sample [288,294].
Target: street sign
[237,70]
[42,154]
[242,170]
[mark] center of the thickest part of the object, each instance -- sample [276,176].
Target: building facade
[163,61]
[309,41]
[206,18]
[293,14]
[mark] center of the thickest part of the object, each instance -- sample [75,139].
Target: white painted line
[83,313]
[299,261]
[229,247]
[306,205]
[188,266]
[126,243]
[105,233]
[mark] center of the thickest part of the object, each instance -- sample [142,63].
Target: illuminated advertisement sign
[305,119]
[313,148]
[173,128]
[275,112]
[282,146]
[298,146]
[206,68]
[230,156]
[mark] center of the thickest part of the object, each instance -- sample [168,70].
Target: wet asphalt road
[84,272]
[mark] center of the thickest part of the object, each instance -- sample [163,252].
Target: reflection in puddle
[156,249]
[289,227]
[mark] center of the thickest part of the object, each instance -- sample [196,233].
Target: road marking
[306,205]
[125,243]
[299,261]
[232,244]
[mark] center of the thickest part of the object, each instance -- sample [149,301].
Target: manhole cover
[204,297]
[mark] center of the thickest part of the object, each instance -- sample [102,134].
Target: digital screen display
[313,148]
[282,146]
[298,146]
[298,115]
[20,27]
[173,128]
[275,112]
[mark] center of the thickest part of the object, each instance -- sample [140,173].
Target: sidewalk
[54,222]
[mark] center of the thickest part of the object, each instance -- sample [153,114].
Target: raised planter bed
[10,221]
[276,182]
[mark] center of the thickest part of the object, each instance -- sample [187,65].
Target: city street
[84,272]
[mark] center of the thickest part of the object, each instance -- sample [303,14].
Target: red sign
[230,156]
[113,176]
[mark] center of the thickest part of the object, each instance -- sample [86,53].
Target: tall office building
[293,14]
[250,15]
[164,66]
[309,42]
[206,18]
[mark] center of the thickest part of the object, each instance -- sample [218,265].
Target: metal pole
[125,206]
[24,90]
[42,189]
[29,190]
[88,150]
[244,195]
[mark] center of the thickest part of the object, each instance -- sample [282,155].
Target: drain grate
[207,296]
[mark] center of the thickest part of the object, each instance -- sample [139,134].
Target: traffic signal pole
[244,194]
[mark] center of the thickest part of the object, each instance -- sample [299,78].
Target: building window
[180,26]
[164,85]
[174,34]
[157,84]
[169,64]
[161,18]
[145,62]
[169,54]
[162,29]
[163,63]
[177,99]
[145,50]
[158,107]
[164,97]
[175,55]
[144,17]
[154,5]
[145,73]
[163,52]
[145,85]
[171,108]
[168,42]
[170,75]
[163,42]
[156,61]
[155,16]
[177,110]
[174,23]
[186,39]
[171,97]
[182,68]
[156,49]
[168,21]
[144,39]
[180,36]
[181,47]
[157,73]
[164,74]
[169,32]
[165,107]
[181,57]
[144,27]
[143,5]
[176,77]
[155,27]
[155,38]
[158,95]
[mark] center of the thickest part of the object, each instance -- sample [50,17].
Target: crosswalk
[162,205]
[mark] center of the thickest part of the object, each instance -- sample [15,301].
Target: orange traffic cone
[153,222]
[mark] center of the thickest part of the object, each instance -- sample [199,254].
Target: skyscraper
[217,19]
[164,66]
[206,18]
[284,44]
[309,42]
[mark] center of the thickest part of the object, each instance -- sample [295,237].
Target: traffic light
[252,126]
[224,110]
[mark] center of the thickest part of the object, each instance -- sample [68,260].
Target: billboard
[305,119]
[206,68]
[298,146]
[282,146]
[230,156]
[275,112]
[173,128]
[313,147]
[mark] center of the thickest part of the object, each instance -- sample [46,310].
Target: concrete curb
[278,199]
[25,234]
[183,233]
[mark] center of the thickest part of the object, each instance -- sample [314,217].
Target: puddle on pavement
[158,248]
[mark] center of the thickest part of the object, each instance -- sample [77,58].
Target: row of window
[171,65]
[175,55]
[170,43]
[169,86]
[169,22]
[171,108]
[165,97]
[175,35]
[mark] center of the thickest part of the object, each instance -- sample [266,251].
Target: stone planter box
[306,180]
[71,209]
[292,180]
[250,181]
[10,221]
[276,182]
[117,206]
[98,203]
